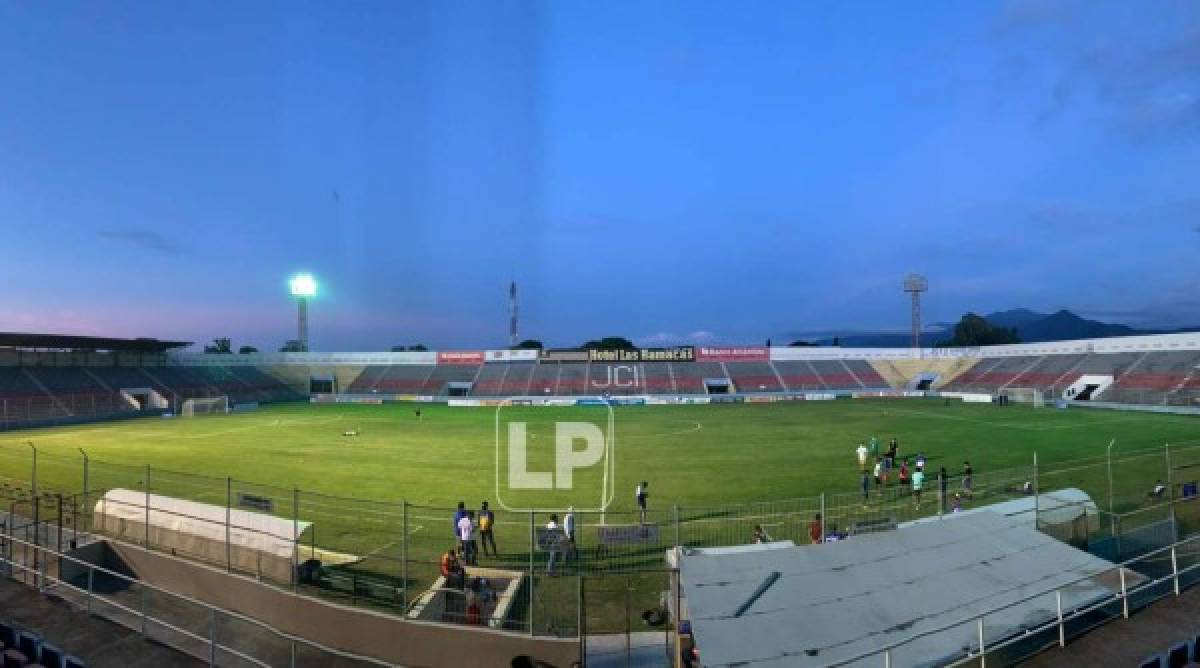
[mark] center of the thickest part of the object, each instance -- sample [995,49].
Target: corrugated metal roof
[835,601]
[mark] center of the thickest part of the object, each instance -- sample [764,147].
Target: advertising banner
[470,357]
[676,354]
[733,354]
[523,355]
[565,355]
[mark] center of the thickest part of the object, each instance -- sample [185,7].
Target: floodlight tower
[303,286]
[915,284]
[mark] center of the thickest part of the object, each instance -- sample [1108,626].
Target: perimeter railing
[1119,604]
[205,631]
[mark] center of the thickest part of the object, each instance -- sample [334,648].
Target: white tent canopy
[259,543]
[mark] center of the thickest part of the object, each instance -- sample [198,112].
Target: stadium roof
[69,342]
[822,604]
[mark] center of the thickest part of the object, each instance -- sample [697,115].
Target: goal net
[1024,395]
[208,406]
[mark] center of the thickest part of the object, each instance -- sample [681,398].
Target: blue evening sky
[668,171]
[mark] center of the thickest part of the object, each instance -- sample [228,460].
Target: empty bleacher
[443,374]
[490,380]
[799,376]
[545,378]
[753,376]
[399,378]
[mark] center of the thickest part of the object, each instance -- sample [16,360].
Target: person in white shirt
[862,456]
[466,537]
[552,541]
[569,532]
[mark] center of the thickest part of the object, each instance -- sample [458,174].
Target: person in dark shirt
[967,480]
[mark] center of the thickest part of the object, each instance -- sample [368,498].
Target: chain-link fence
[388,555]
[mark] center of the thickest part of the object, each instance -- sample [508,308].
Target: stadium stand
[866,374]
[754,377]
[516,380]
[489,382]
[545,378]
[799,376]
[572,379]
[616,379]
[689,377]
[444,374]
[658,379]
[399,378]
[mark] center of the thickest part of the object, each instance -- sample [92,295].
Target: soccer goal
[207,406]
[1024,395]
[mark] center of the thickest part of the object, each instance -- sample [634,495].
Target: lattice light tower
[915,284]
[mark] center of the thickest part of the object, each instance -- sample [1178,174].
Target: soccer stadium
[132,471]
[532,334]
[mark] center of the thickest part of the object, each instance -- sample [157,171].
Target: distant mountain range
[1031,326]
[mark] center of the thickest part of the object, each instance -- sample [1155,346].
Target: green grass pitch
[705,458]
[692,455]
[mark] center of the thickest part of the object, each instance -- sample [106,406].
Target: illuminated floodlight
[303,285]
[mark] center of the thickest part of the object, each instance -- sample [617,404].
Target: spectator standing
[640,494]
[862,456]
[874,447]
[458,515]
[968,481]
[878,472]
[553,539]
[569,532]
[918,484]
[466,538]
[866,485]
[816,531]
[487,520]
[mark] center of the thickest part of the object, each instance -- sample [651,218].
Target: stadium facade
[49,379]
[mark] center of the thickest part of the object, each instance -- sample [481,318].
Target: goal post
[1024,395]
[205,406]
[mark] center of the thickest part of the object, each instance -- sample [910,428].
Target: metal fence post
[675,516]
[90,589]
[1062,632]
[295,539]
[212,636]
[582,622]
[228,512]
[1036,493]
[1124,594]
[86,488]
[823,520]
[532,545]
[147,532]
[404,553]
[982,649]
[33,473]
[1175,570]
[887,658]
[144,610]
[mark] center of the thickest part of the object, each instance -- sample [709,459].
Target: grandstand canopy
[828,603]
[69,342]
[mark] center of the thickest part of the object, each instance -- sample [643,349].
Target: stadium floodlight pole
[303,286]
[915,284]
